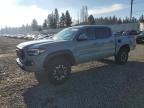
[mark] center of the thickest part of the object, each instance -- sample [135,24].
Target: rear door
[105,42]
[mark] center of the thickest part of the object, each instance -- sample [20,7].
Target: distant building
[124,27]
[142,26]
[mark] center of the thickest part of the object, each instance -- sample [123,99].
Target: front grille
[20,53]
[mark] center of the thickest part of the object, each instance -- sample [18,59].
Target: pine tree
[141,19]
[133,20]
[45,24]
[110,20]
[68,19]
[114,20]
[119,21]
[106,20]
[52,20]
[101,20]
[62,20]
[126,20]
[57,16]
[91,20]
[34,25]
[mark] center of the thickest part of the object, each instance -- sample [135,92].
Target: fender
[62,53]
[124,46]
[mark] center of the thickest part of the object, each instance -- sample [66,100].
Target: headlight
[35,52]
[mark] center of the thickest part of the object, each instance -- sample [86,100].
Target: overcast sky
[18,12]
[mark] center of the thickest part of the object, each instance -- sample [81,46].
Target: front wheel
[122,56]
[58,70]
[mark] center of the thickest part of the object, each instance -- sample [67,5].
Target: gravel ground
[100,84]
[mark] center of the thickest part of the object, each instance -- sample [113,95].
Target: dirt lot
[100,84]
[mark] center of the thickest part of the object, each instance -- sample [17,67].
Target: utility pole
[131,11]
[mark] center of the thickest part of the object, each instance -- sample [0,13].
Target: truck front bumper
[20,64]
[25,66]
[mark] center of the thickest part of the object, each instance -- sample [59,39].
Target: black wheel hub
[60,72]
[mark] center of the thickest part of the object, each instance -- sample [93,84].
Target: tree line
[16,30]
[110,20]
[56,20]
[53,20]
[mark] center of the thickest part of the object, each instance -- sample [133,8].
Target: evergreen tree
[57,16]
[141,19]
[101,20]
[62,20]
[96,20]
[68,19]
[114,20]
[119,21]
[45,24]
[52,20]
[106,20]
[133,20]
[110,20]
[16,30]
[91,20]
[34,25]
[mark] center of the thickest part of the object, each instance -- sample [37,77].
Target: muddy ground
[101,84]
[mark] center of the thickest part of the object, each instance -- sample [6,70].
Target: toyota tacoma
[51,59]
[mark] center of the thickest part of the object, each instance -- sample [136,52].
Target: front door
[85,49]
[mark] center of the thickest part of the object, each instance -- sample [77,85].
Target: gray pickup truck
[51,59]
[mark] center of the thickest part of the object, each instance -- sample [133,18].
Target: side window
[102,33]
[89,33]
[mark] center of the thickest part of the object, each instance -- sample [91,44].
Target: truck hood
[29,43]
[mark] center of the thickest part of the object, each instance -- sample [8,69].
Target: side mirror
[82,37]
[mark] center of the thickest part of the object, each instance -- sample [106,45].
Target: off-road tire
[59,70]
[57,66]
[122,56]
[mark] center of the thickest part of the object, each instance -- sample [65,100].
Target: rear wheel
[122,56]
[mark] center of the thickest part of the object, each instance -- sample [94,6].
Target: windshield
[66,34]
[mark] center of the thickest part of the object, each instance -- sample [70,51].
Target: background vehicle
[140,37]
[51,59]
